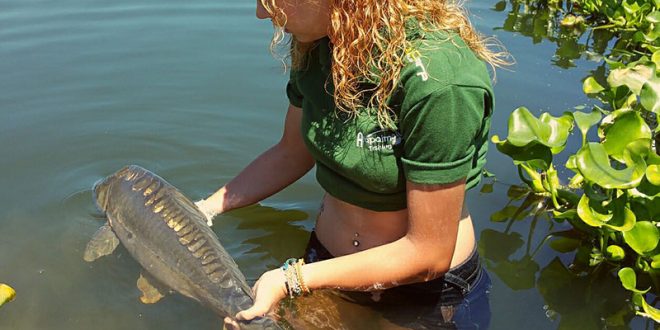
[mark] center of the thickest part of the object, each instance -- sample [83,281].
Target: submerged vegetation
[611,194]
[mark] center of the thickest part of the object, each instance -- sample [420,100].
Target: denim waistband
[450,288]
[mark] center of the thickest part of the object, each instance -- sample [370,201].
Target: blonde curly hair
[370,36]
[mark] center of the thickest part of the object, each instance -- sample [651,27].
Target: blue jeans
[471,313]
[457,300]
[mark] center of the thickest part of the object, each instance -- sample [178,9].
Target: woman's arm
[423,254]
[272,171]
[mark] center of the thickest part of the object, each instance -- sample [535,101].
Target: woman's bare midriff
[340,225]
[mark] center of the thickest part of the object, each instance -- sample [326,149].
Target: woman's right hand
[209,209]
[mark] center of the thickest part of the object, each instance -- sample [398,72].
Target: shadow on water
[267,234]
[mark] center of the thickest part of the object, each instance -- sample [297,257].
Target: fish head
[101,189]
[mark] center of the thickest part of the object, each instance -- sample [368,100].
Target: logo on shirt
[378,140]
[413,56]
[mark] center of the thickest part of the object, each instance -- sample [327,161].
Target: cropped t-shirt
[443,103]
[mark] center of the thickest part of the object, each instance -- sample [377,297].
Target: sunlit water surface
[190,91]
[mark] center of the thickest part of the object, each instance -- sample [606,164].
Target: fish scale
[175,220]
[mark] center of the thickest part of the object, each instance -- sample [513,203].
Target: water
[189,91]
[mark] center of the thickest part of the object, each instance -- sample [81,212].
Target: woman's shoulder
[438,59]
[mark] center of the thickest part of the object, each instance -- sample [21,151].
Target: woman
[391,100]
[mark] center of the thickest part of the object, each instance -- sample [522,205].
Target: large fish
[168,235]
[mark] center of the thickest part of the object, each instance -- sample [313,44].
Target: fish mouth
[100,193]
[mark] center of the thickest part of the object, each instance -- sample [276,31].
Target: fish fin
[102,243]
[150,293]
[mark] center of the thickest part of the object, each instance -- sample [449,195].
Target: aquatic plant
[612,199]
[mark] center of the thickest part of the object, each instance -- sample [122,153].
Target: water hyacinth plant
[613,197]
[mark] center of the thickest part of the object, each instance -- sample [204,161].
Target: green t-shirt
[444,103]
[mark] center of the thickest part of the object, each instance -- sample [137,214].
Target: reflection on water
[539,21]
[576,296]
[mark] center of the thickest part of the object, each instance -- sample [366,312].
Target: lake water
[190,91]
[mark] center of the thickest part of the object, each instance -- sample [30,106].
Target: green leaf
[596,194]
[650,311]
[628,279]
[651,35]
[584,121]
[618,217]
[590,216]
[655,261]
[613,64]
[623,220]
[638,150]
[595,257]
[564,244]
[615,253]
[634,77]
[652,158]
[653,174]
[571,163]
[593,162]
[631,9]
[643,237]
[536,155]
[549,131]
[653,17]
[656,59]
[486,188]
[576,181]
[628,126]
[649,95]
[568,214]
[591,86]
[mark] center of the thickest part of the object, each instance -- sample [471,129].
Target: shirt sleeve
[292,90]
[439,133]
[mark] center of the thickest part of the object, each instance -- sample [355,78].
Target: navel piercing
[356,243]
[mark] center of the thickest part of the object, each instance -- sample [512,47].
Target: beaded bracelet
[298,268]
[295,286]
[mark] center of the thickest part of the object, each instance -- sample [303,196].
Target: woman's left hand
[268,291]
